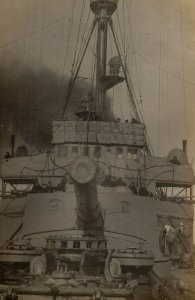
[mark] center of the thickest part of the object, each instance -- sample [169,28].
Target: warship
[86,219]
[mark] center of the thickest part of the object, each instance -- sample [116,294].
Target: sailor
[7,155]
[181,228]
[38,265]
[36,187]
[86,101]
[62,185]
[184,234]
[49,187]
[134,121]
[175,161]
[143,190]
[133,188]
[62,268]
[169,236]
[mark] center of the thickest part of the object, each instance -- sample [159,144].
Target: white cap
[167,227]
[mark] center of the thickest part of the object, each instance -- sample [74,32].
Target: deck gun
[83,171]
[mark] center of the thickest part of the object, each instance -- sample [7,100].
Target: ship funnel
[83,172]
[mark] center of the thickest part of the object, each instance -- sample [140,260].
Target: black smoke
[31,99]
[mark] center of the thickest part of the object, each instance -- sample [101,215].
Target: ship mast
[103,11]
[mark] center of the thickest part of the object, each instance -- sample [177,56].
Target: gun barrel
[83,171]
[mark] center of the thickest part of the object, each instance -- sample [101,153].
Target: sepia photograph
[97,146]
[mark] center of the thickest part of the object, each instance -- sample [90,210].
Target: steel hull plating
[138,218]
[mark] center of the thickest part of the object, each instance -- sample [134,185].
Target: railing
[190,199]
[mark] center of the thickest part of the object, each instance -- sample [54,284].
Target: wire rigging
[61,95]
[183,71]
[78,35]
[67,44]
[42,35]
[83,40]
[121,35]
[133,47]
[167,90]
[160,80]
[132,95]
[62,39]
[22,101]
[93,68]
[131,90]
[28,34]
[124,25]
[74,76]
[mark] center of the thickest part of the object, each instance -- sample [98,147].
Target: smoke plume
[30,100]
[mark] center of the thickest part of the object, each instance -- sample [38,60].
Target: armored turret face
[83,171]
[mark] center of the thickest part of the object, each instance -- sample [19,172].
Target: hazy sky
[159,43]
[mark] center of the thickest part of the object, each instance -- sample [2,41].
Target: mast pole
[101,59]
[103,10]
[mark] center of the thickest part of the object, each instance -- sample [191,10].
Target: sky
[159,43]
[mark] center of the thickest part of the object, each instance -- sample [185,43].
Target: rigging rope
[42,35]
[167,89]
[183,71]
[61,95]
[133,48]
[132,94]
[83,41]
[159,80]
[78,35]
[124,25]
[62,41]
[167,72]
[121,36]
[74,76]
[28,34]
[93,68]
[24,102]
[20,123]
[67,45]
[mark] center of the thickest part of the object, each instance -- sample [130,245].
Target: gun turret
[83,171]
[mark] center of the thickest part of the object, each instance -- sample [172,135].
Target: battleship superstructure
[97,188]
